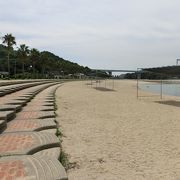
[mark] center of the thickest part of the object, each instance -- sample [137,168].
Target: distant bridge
[115,70]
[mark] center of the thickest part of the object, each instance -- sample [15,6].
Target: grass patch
[63,158]
[58,133]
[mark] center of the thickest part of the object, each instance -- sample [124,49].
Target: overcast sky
[118,34]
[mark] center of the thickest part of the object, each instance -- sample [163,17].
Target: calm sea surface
[167,89]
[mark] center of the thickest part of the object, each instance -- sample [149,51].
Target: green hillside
[44,64]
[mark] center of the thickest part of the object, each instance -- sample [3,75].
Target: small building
[79,75]
[3,74]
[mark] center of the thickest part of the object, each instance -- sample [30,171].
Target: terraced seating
[31,167]
[12,82]
[4,90]
[9,107]
[23,96]
[51,152]
[7,115]
[14,102]
[28,142]
[31,125]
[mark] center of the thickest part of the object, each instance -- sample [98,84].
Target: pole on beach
[96,79]
[15,69]
[137,84]
[161,89]
[137,88]
[138,77]
[113,85]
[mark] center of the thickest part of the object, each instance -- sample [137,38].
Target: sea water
[167,89]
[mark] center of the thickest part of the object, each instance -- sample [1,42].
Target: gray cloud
[101,34]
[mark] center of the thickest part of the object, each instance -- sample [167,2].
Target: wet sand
[111,135]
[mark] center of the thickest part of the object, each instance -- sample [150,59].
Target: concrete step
[13,88]
[30,125]
[44,100]
[41,104]
[3,125]
[29,148]
[23,115]
[53,131]
[15,108]
[16,102]
[38,108]
[2,93]
[26,143]
[31,168]
[51,152]
[7,115]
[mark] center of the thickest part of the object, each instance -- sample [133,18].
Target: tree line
[166,72]
[26,62]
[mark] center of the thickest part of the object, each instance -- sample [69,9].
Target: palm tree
[44,59]
[9,40]
[34,57]
[23,52]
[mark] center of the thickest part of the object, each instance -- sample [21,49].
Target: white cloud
[103,33]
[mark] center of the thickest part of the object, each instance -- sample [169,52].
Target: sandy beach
[110,135]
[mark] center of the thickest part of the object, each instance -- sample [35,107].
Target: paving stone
[30,125]
[29,94]
[45,97]
[20,98]
[9,107]
[38,108]
[16,102]
[52,131]
[31,168]
[35,115]
[6,115]
[26,95]
[41,104]
[51,152]
[26,143]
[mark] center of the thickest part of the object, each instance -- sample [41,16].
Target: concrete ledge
[16,102]
[30,125]
[26,143]
[35,115]
[7,115]
[3,125]
[32,167]
[9,107]
[51,152]
[38,108]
